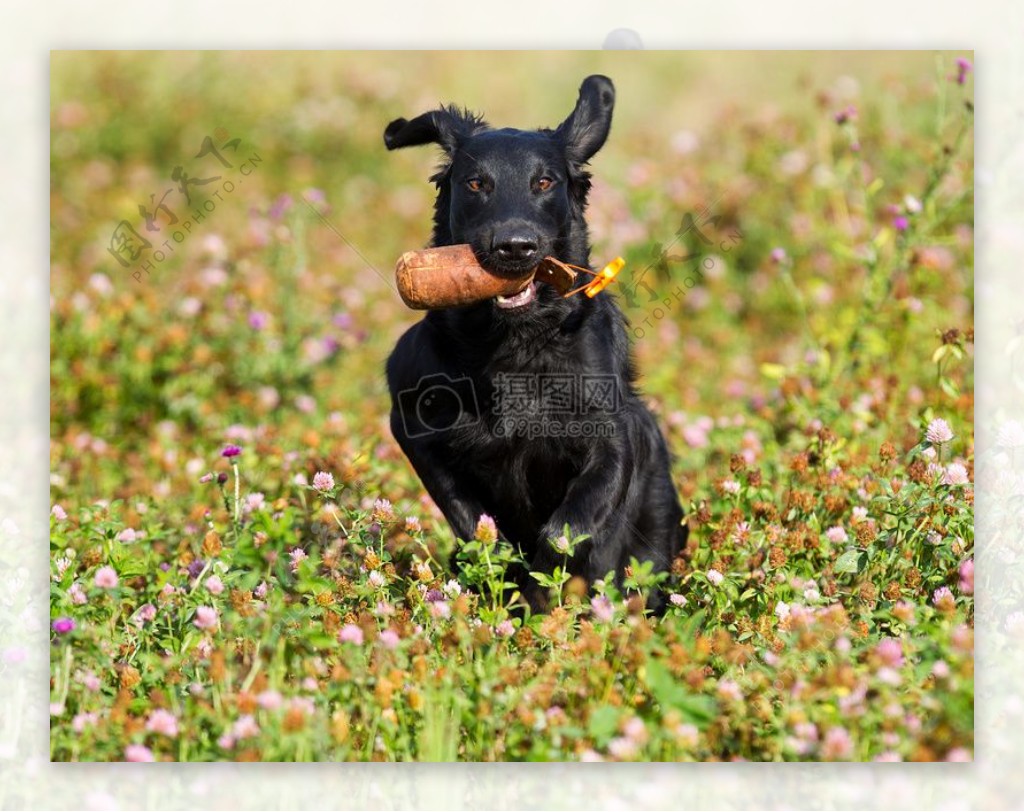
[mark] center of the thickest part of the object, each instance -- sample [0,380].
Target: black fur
[492,194]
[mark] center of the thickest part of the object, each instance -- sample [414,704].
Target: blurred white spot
[822,175]
[623,39]
[214,246]
[846,88]
[101,283]
[99,799]
[684,142]
[190,306]
[793,163]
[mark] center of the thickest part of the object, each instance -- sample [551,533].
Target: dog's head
[515,196]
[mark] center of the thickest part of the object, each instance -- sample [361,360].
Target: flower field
[245,567]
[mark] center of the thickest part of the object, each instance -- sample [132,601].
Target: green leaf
[692,625]
[671,693]
[603,723]
[949,388]
[848,562]
[698,709]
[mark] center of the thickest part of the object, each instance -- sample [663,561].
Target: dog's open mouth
[521,299]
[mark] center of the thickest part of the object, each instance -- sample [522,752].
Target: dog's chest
[525,443]
[521,466]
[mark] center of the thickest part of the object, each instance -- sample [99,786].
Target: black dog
[523,408]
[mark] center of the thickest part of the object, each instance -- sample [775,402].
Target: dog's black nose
[516,248]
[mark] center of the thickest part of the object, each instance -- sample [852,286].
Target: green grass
[796,381]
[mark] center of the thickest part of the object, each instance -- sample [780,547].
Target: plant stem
[234,465]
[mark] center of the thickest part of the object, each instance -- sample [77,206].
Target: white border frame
[27,780]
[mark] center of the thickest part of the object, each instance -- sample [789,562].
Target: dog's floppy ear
[445,126]
[584,132]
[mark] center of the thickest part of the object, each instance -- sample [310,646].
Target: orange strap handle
[601,280]
[604,279]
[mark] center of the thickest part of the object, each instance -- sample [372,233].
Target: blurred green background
[750,134]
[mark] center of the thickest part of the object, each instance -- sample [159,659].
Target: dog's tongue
[550,271]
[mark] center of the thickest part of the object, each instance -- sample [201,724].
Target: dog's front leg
[451,492]
[590,507]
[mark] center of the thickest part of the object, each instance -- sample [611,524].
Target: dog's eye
[475,184]
[545,183]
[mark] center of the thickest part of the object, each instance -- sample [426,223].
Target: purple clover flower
[843,116]
[280,206]
[963,67]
